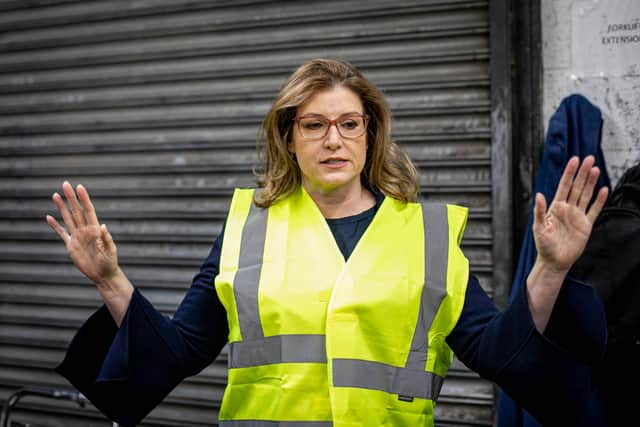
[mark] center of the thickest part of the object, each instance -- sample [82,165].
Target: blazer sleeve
[126,372]
[552,374]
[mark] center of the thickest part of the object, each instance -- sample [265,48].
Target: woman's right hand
[91,248]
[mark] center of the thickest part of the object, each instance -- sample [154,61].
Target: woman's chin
[331,184]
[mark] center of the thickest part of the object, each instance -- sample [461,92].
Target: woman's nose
[333,138]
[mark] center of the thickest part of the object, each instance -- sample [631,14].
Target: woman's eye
[349,124]
[312,125]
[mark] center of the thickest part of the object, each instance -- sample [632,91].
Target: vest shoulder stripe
[245,284]
[436,245]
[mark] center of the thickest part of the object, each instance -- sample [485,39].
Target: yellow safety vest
[317,341]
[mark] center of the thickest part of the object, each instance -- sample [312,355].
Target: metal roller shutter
[155,105]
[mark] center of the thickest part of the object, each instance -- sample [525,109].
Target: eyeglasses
[316,126]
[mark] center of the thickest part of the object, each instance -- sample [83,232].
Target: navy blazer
[575,129]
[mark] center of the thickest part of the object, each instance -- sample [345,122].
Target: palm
[90,253]
[562,231]
[89,244]
[563,234]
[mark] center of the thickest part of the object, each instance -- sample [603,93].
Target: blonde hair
[387,167]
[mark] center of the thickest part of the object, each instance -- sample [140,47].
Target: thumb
[539,209]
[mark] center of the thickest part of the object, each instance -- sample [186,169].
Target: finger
[539,209]
[598,204]
[564,186]
[66,215]
[89,211]
[107,238]
[58,228]
[579,182]
[587,193]
[76,210]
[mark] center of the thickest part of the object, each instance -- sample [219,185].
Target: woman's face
[332,162]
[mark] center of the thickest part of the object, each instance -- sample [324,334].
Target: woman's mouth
[333,163]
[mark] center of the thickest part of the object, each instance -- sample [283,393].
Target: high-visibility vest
[317,341]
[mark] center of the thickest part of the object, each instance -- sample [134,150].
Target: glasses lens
[351,126]
[313,127]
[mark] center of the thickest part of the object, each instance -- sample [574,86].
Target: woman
[341,298]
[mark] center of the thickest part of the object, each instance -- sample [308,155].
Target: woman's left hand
[561,232]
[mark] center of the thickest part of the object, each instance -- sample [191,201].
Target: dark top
[127,371]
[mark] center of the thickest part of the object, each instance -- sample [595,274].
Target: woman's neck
[342,202]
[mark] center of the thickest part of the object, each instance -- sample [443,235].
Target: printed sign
[606,38]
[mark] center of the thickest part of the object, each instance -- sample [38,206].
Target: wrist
[543,286]
[116,292]
[115,287]
[548,270]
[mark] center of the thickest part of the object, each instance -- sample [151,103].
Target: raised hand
[91,248]
[88,243]
[561,232]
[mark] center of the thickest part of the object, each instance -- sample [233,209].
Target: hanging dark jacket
[575,129]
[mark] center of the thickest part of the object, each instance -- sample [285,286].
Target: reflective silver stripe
[412,380]
[436,248]
[391,379]
[262,423]
[255,349]
[245,285]
[277,349]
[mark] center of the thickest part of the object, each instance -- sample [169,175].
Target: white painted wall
[576,59]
